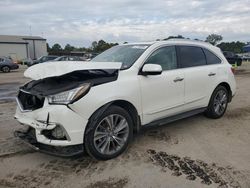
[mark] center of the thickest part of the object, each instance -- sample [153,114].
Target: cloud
[80,22]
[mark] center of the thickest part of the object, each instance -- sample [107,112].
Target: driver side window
[165,56]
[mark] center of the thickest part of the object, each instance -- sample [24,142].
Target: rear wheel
[239,62]
[109,135]
[5,69]
[218,103]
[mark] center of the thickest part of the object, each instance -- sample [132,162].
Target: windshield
[58,58]
[40,58]
[127,54]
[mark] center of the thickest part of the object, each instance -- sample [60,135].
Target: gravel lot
[194,152]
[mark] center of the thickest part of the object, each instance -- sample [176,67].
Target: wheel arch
[227,86]
[129,107]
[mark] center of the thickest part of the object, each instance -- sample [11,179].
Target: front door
[162,95]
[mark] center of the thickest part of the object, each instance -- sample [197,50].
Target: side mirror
[151,69]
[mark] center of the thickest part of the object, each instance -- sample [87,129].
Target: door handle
[178,79]
[211,74]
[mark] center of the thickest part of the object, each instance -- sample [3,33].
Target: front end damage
[51,126]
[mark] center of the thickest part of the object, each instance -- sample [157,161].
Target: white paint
[153,96]
[50,69]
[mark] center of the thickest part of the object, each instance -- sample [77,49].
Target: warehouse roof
[18,39]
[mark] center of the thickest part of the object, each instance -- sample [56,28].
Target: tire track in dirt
[55,171]
[51,173]
[197,169]
[161,135]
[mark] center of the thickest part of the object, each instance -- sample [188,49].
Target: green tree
[101,46]
[94,44]
[236,47]
[214,39]
[69,48]
[56,47]
[175,37]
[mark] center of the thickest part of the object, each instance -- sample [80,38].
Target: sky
[79,22]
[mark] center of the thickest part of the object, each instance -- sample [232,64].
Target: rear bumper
[29,137]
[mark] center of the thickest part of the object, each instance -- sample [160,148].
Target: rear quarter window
[211,57]
[191,56]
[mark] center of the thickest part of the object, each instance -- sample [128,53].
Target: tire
[100,141]
[239,63]
[5,69]
[218,103]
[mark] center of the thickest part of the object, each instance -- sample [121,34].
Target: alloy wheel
[220,102]
[111,134]
[6,69]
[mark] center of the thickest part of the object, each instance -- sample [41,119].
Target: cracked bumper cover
[73,124]
[65,151]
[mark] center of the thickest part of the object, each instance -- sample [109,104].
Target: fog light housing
[58,132]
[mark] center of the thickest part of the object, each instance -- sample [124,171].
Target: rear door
[162,95]
[198,76]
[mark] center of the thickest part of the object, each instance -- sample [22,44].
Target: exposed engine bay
[32,95]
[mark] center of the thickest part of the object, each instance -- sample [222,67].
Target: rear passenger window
[191,56]
[165,56]
[211,58]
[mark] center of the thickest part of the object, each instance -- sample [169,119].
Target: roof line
[13,42]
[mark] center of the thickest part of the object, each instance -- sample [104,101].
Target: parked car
[7,64]
[97,106]
[42,59]
[246,57]
[69,58]
[26,61]
[233,58]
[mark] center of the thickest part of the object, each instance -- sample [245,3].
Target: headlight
[70,96]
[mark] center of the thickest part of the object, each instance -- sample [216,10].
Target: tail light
[233,70]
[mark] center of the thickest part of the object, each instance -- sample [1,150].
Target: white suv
[96,106]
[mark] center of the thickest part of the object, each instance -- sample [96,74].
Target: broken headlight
[69,96]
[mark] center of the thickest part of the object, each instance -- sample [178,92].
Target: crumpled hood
[53,69]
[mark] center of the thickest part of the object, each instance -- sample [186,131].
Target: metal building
[22,47]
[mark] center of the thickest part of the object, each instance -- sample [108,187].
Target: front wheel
[108,136]
[218,103]
[5,69]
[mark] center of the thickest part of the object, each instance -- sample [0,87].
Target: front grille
[28,101]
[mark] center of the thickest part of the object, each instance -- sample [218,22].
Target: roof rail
[188,40]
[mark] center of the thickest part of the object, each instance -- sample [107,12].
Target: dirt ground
[192,153]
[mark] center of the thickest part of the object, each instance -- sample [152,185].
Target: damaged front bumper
[46,119]
[29,138]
